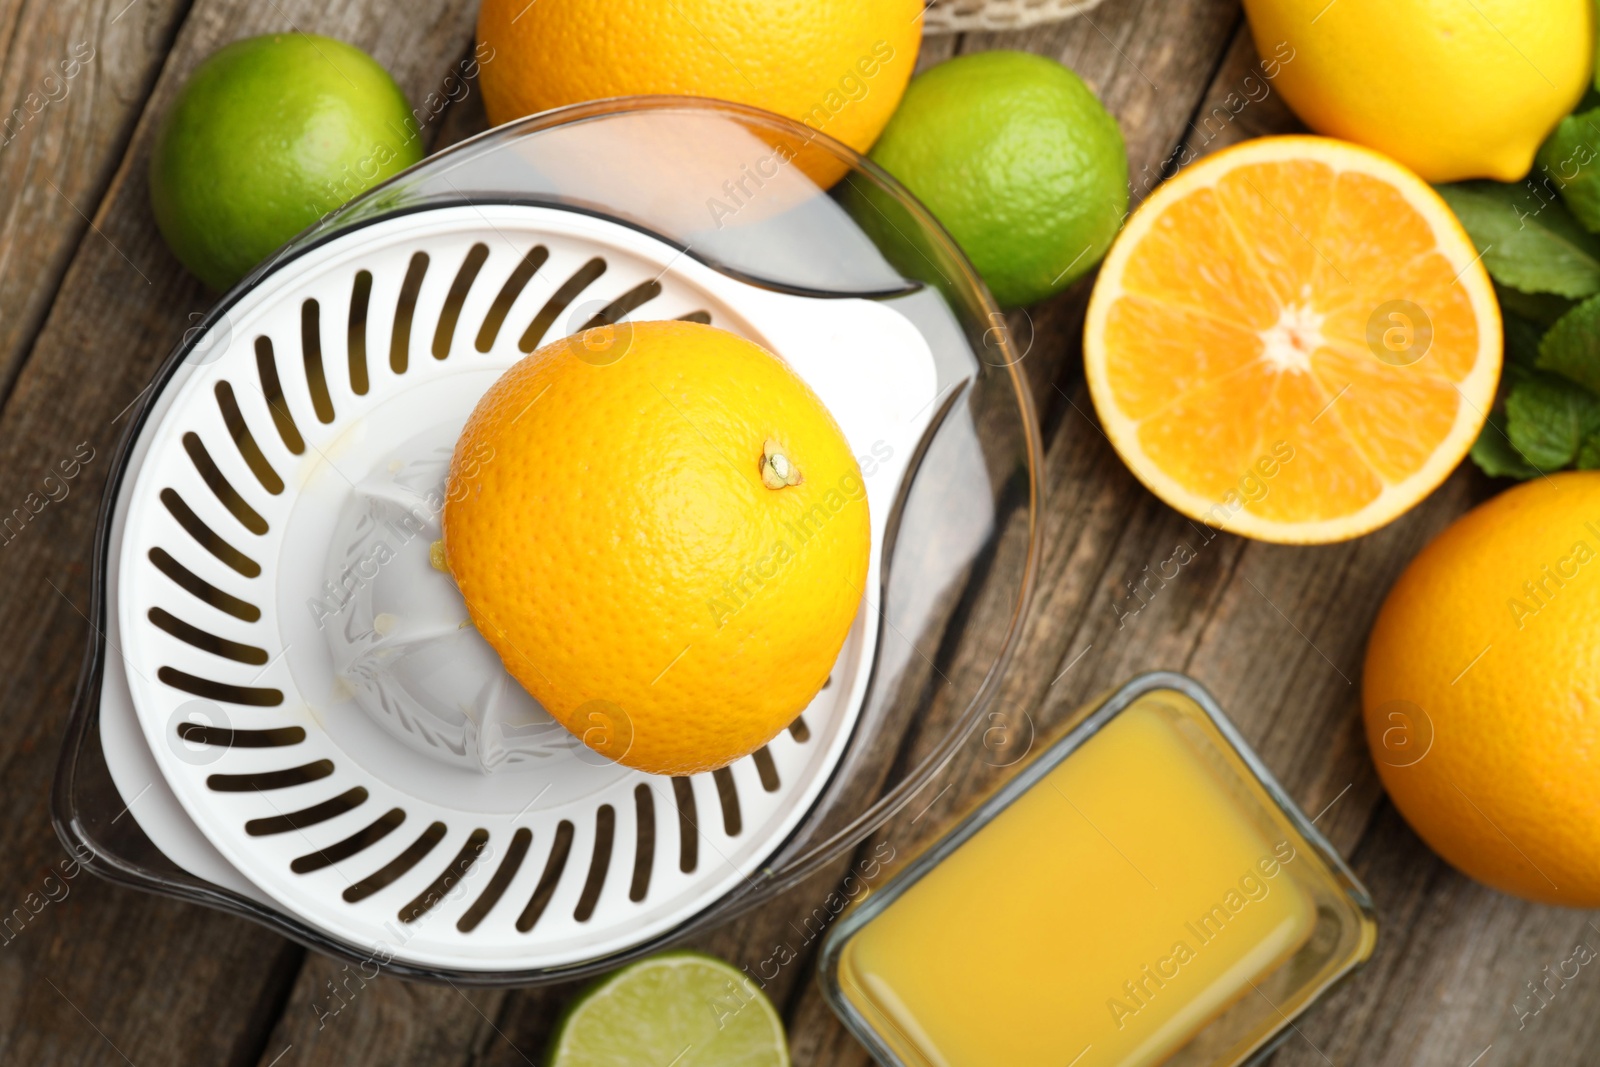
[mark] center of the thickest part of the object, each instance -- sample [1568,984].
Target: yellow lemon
[1453,89]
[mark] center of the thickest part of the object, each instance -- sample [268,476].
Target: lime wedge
[682,1009]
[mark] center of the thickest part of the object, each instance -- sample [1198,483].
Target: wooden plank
[336,1014]
[126,973]
[1242,101]
[1450,984]
[75,77]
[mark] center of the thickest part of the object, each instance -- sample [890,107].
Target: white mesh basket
[960,16]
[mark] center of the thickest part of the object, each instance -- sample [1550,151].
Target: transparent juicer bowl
[770,203]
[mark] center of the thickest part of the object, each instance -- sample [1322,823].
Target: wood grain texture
[1277,633]
[75,78]
[108,973]
[336,1014]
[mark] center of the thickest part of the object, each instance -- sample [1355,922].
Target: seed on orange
[1293,340]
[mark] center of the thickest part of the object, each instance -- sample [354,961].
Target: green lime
[270,134]
[697,1008]
[1016,157]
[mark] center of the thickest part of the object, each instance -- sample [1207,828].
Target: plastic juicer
[281,713]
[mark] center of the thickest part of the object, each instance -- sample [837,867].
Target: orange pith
[1242,357]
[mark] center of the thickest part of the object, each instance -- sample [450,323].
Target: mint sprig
[1571,348]
[1540,309]
[1496,456]
[1548,418]
[1528,239]
[1523,337]
[1570,162]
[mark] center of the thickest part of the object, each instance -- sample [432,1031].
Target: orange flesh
[1242,322]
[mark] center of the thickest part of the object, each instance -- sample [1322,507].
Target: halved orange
[1293,340]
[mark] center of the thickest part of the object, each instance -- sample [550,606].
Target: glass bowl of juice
[1140,892]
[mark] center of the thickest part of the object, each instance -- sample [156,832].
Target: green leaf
[1529,241]
[1589,453]
[1548,417]
[1572,346]
[1542,309]
[1570,162]
[1495,455]
[1522,339]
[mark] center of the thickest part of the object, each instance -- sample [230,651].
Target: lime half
[681,1009]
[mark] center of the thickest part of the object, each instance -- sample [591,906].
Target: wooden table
[91,301]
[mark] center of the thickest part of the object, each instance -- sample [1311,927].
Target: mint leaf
[1572,346]
[1495,455]
[1589,453]
[1522,339]
[1542,309]
[1529,241]
[1548,417]
[1570,161]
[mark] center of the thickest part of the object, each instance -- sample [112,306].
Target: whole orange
[839,66]
[664,534]
[1482,691]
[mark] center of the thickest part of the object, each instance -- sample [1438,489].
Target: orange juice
[1103,917]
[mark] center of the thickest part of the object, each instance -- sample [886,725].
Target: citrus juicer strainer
[283,713]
